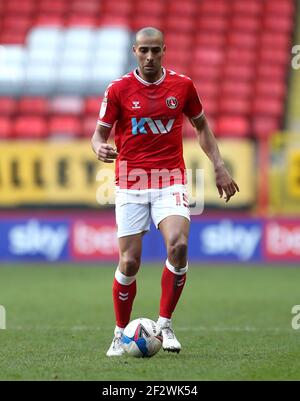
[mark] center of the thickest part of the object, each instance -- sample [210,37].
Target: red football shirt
[148,133]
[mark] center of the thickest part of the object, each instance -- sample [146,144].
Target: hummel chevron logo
[180,282]
[123,296]
[136,104]
[156,126]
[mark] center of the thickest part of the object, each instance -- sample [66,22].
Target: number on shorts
[184,200]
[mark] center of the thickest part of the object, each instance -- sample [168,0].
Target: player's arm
[104,151]
[224,182]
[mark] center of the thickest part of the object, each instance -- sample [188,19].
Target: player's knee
[129,265]
[177,251]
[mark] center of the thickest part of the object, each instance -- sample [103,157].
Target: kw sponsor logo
[155,126]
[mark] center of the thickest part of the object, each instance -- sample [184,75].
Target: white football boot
[116,347]
[170,342]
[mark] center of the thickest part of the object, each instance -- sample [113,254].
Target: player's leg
[175,230]
[124,287]
[170,213]
[133,220]
[124,284]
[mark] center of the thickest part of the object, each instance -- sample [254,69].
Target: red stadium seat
[91,8]
[207,88]
[254,7]
[81,20]
[204,39]
[113,20]
[236,126]
[66,105]
[141,21]
[205,72]
[123,7]
[58,7]
[276,88]
[244,72]
[176,40]
[235,105]
[275,56]
[286,8]
[146,8]
[5,128]
[277,23]
[265,126]
[209,56]
[11,37]
[185,9]
[33,105]
[268,106]
[210,105]
[244,40]
[16,23]
[231,87]
[216,7]
[67,126]
[271,71]
[23,7]
[30,127]
[180,56]
[88,126]
[234,55]
[92,106]
[279,40]
[179,23]
[245,23]
[49,20]
[212,23]
[8,106]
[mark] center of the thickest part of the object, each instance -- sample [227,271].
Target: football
[141,338]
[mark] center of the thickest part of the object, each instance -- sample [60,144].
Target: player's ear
[134,49]
[164,48]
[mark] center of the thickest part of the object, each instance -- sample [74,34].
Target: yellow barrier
[285,173]
[45,172]
[239,157]
[61,173]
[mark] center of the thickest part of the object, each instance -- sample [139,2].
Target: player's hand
[106,153]
[225,184]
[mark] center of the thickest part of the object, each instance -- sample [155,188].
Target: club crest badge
[172,102]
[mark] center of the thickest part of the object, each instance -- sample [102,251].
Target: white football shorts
[134,208]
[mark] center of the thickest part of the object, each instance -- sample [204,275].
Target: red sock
[123,297]
[171,285]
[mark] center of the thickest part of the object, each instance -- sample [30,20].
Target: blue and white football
[141,338]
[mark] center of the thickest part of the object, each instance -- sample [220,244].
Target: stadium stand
[73,49]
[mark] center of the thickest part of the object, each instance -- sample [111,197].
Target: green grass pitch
[234,323]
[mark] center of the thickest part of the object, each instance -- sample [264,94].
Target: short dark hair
[149,31]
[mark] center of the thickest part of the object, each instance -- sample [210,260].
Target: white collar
[150,83]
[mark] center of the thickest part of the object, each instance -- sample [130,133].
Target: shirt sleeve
[109,111]
[193,106]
